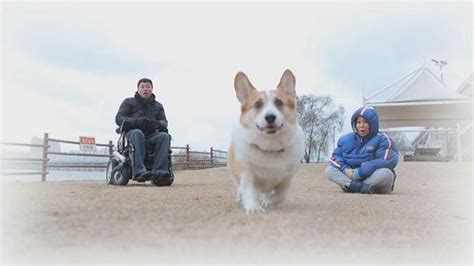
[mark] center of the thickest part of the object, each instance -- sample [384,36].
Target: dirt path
[427,220]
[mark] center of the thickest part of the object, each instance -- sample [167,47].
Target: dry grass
[427,220]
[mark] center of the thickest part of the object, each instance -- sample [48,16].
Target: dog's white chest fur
[271,159]
[268,165]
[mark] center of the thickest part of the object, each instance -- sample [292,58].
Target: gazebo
[420,99]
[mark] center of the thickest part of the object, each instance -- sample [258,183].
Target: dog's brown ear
[243,87]
[287,83]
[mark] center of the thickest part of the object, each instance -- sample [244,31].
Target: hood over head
[370,115]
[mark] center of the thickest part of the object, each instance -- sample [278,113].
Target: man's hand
[156,125]
[143,122]
[162,126]
[153,125]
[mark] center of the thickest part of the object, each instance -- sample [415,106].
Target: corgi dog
[268,145]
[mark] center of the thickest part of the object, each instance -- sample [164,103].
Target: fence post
[212,157]
[187,156]
[44,166]
[111,147]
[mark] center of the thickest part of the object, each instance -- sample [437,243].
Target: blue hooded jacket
[365,154]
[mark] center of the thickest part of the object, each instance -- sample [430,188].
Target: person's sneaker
[345,188]
[355,186]
[143,176]
[366,189]
[161,174]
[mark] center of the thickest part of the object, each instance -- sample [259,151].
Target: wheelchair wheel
[110,168]
[119,175]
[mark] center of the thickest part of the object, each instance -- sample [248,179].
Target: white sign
[86,143]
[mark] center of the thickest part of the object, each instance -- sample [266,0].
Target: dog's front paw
[253,208]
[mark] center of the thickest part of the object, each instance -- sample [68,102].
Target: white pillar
[458,141]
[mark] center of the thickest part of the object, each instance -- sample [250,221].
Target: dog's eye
[278,103]
[258,104]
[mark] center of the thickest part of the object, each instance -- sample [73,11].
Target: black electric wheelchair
[119,169]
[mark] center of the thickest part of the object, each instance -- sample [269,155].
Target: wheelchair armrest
[120,129]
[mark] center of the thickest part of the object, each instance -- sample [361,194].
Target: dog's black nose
[270,118]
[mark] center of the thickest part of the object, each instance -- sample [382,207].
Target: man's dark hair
[144,80]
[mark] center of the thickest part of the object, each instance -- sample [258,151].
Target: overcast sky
[66,67]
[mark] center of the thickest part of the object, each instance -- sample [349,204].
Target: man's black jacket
[135,107]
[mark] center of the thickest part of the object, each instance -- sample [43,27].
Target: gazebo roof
[420,85]
[420,99]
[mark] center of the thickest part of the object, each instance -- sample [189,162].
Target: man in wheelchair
[144,138]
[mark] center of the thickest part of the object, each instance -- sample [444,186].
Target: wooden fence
[183,158]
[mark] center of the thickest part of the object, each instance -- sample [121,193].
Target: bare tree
[320,118]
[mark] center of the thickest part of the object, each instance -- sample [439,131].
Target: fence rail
[183,158]
[22,173]
[22,144]
[79,154]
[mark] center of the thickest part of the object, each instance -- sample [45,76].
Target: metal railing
[43,160]
[183,158]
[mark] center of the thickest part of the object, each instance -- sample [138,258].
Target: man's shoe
[143,176]
[161,174]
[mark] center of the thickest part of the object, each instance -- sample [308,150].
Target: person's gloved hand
[143,122]
[156,125]
[162,126]
[153,125]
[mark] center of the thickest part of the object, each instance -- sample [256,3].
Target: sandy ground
[428,219]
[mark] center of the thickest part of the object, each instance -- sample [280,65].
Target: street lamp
[440,63]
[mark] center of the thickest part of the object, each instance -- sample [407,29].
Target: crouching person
[364,160]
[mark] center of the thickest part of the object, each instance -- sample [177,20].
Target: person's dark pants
[159,142]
